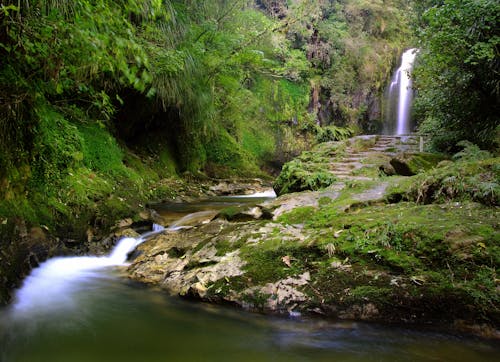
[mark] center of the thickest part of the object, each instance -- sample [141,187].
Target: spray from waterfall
[399,97]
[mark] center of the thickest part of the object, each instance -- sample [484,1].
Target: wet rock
[124,223]
[287,203]
[151,216]
[37,235]
[195,219]
[364,312]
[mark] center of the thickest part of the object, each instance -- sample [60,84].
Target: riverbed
[85,309]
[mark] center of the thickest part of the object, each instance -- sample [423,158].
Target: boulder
[299,176]
[387,169]
[409,164]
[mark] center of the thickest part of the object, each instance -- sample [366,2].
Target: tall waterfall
[399,96]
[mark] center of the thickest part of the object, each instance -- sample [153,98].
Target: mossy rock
[298,176]
[409,164]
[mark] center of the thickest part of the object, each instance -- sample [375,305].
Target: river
[84,309]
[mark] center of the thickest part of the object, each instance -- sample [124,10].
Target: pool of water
[112,319]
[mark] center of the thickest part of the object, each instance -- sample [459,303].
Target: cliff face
[352,47]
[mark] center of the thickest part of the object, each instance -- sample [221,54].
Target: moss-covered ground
[427,251]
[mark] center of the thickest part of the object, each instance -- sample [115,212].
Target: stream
[84,309]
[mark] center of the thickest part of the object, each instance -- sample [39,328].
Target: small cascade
[157,228]
[59,283]
[270,194]
[52,286]
[399,97]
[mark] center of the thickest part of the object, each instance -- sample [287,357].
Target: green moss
[370,293]
[297,216]
[230,212]
[462,180]
[100,150]
[223,246]
[265,260]
[362,143]
[297,176]
[409,164]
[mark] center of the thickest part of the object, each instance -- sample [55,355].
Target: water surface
[113,319]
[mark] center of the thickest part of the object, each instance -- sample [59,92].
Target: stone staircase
[362,151]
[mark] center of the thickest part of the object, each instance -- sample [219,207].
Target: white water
[399,96]
[264,194]
[53,285]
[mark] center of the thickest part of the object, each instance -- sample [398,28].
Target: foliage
[333,133]
[352,46]
[294,178]
[457,73]
[476,179]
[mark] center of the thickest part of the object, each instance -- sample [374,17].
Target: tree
[458,72]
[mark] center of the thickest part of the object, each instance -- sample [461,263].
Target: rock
[286,203]
[364,312]
[387,169]
[376,193]
[195,219]
[127,232]
[281,295]
[409,164]
[238,187]
[151,215]
[37,235]
[124,223]
[299,176]
[237,214]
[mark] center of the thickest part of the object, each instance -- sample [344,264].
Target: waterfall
[399,97]
[53,285]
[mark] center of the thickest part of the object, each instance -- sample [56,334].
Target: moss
[409,164]
[223,287]
[199,264]
[462,180]
[229,213]
[298,176]
[362,143]
[223,246]
[176,252]
[370,293]
[297,215]
[265,260]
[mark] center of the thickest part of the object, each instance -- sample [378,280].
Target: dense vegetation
[458,77]
[222,87]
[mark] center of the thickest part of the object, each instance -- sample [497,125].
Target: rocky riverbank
[414,249]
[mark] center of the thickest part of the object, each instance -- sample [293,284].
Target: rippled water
[83,309]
